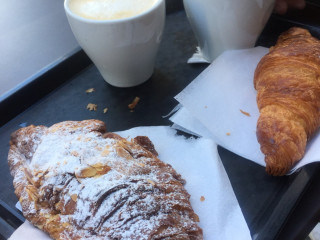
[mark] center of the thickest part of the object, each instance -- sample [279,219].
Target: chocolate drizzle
[103,196]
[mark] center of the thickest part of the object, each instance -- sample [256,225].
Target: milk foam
[109,9]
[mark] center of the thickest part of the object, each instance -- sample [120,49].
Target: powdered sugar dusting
[69,152]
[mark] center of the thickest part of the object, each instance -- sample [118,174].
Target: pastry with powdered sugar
[74,180]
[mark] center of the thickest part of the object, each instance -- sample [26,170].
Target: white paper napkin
[216,102]
[197,57]
[198,162]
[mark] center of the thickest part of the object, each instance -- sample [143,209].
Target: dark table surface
[274,207]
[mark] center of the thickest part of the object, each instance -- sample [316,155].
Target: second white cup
[123,49]
[221,25]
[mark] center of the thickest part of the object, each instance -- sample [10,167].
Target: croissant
[76,181]
[287,81]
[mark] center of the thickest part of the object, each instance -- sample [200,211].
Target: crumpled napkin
[221,104]
[198,162]
[197,57]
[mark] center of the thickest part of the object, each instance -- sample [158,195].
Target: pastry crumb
[105,110]
[202,198]
[92,107]
[90,90]
[228,134]
[134,103]
[245,113]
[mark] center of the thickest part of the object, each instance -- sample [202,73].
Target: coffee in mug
[109,9]
[121,37]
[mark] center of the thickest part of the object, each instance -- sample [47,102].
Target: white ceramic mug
[221,25]
[124,50]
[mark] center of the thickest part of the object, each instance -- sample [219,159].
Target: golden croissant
[287,81]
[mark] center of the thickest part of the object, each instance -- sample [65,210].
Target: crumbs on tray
[92,107]
[202,198]
[90,90]
[134,103]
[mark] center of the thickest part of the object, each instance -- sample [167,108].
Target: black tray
[58,94]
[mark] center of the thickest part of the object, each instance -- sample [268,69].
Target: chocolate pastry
[75,181]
